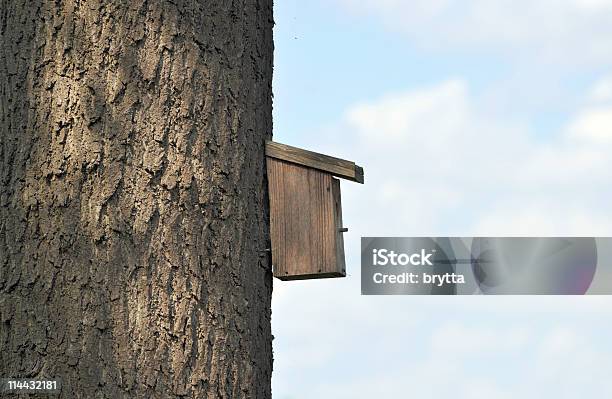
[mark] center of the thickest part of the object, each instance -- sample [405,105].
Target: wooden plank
[359,174]
[340,229]
[336,166]
[302,222]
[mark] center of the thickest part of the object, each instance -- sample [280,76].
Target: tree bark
[133,202]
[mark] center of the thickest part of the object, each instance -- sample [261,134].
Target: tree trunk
[133,202]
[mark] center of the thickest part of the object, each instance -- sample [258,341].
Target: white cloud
[430,155]
[593,4]
[570,31]
[402,117]
[445,160]
[455,339]
[559,343]
[435,164]
[473,360]
[602,90]
[594,125]
[543,218]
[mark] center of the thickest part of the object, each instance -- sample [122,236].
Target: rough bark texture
[133,208]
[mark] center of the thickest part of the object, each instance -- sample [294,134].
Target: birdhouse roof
[334,166]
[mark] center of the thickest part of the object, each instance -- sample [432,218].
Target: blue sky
[470,118]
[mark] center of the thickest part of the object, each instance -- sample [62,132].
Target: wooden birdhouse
[305,212]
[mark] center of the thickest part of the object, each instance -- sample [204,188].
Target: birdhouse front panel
[305,222]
